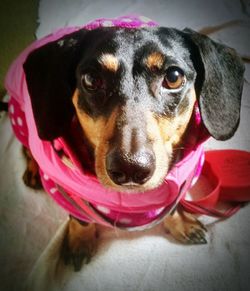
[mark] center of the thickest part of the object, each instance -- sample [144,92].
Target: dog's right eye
[92,82]
[174,78]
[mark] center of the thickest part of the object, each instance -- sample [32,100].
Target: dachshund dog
[132,93]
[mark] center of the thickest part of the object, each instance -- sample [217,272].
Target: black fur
[219,83]
[3,106]
[50,76]
[54,71]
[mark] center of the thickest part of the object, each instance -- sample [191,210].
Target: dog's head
[133,92]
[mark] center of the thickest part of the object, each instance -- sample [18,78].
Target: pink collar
[80,193]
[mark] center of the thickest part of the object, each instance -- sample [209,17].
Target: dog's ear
[51,80]
[218,84]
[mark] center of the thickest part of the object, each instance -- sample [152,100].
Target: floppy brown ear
[219,84]
[50,76]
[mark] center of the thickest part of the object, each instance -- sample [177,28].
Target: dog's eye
[174,78]
[92,82]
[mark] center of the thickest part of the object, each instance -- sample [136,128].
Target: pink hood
[81,193]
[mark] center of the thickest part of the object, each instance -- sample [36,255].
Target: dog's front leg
[185,227]
[80,243]
[31,176]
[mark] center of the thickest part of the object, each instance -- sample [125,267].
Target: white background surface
[125,261]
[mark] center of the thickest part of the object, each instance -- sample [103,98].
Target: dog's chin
[130,187]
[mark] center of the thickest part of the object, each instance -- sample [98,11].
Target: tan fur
[92,127]
[172,130]
[165,134]
[109,62]
[185,227]
[98,132]
[31,175]
[155,60]
[79,234]
[103,147]
[80,243]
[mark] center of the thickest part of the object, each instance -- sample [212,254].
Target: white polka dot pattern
[19,121]
[11,109]
[103,209]
[125,220]
[108,23]
[53,190]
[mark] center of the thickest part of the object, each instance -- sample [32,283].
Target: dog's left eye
[92,82]
[174,78]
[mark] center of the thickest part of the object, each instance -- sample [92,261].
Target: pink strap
[84,207]
[196,208]
[207,205]
[90,212]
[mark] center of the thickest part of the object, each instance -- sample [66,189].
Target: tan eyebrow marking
[109,62]
[155,59]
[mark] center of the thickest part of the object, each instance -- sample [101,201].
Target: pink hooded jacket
[81,194]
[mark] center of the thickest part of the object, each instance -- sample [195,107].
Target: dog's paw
[186,228]
[31,176]
[79,245]
[32,179]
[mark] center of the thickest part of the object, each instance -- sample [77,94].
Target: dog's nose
[136,168]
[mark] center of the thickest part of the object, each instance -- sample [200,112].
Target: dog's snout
[130,168]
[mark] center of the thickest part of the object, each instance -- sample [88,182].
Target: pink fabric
[105,206]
